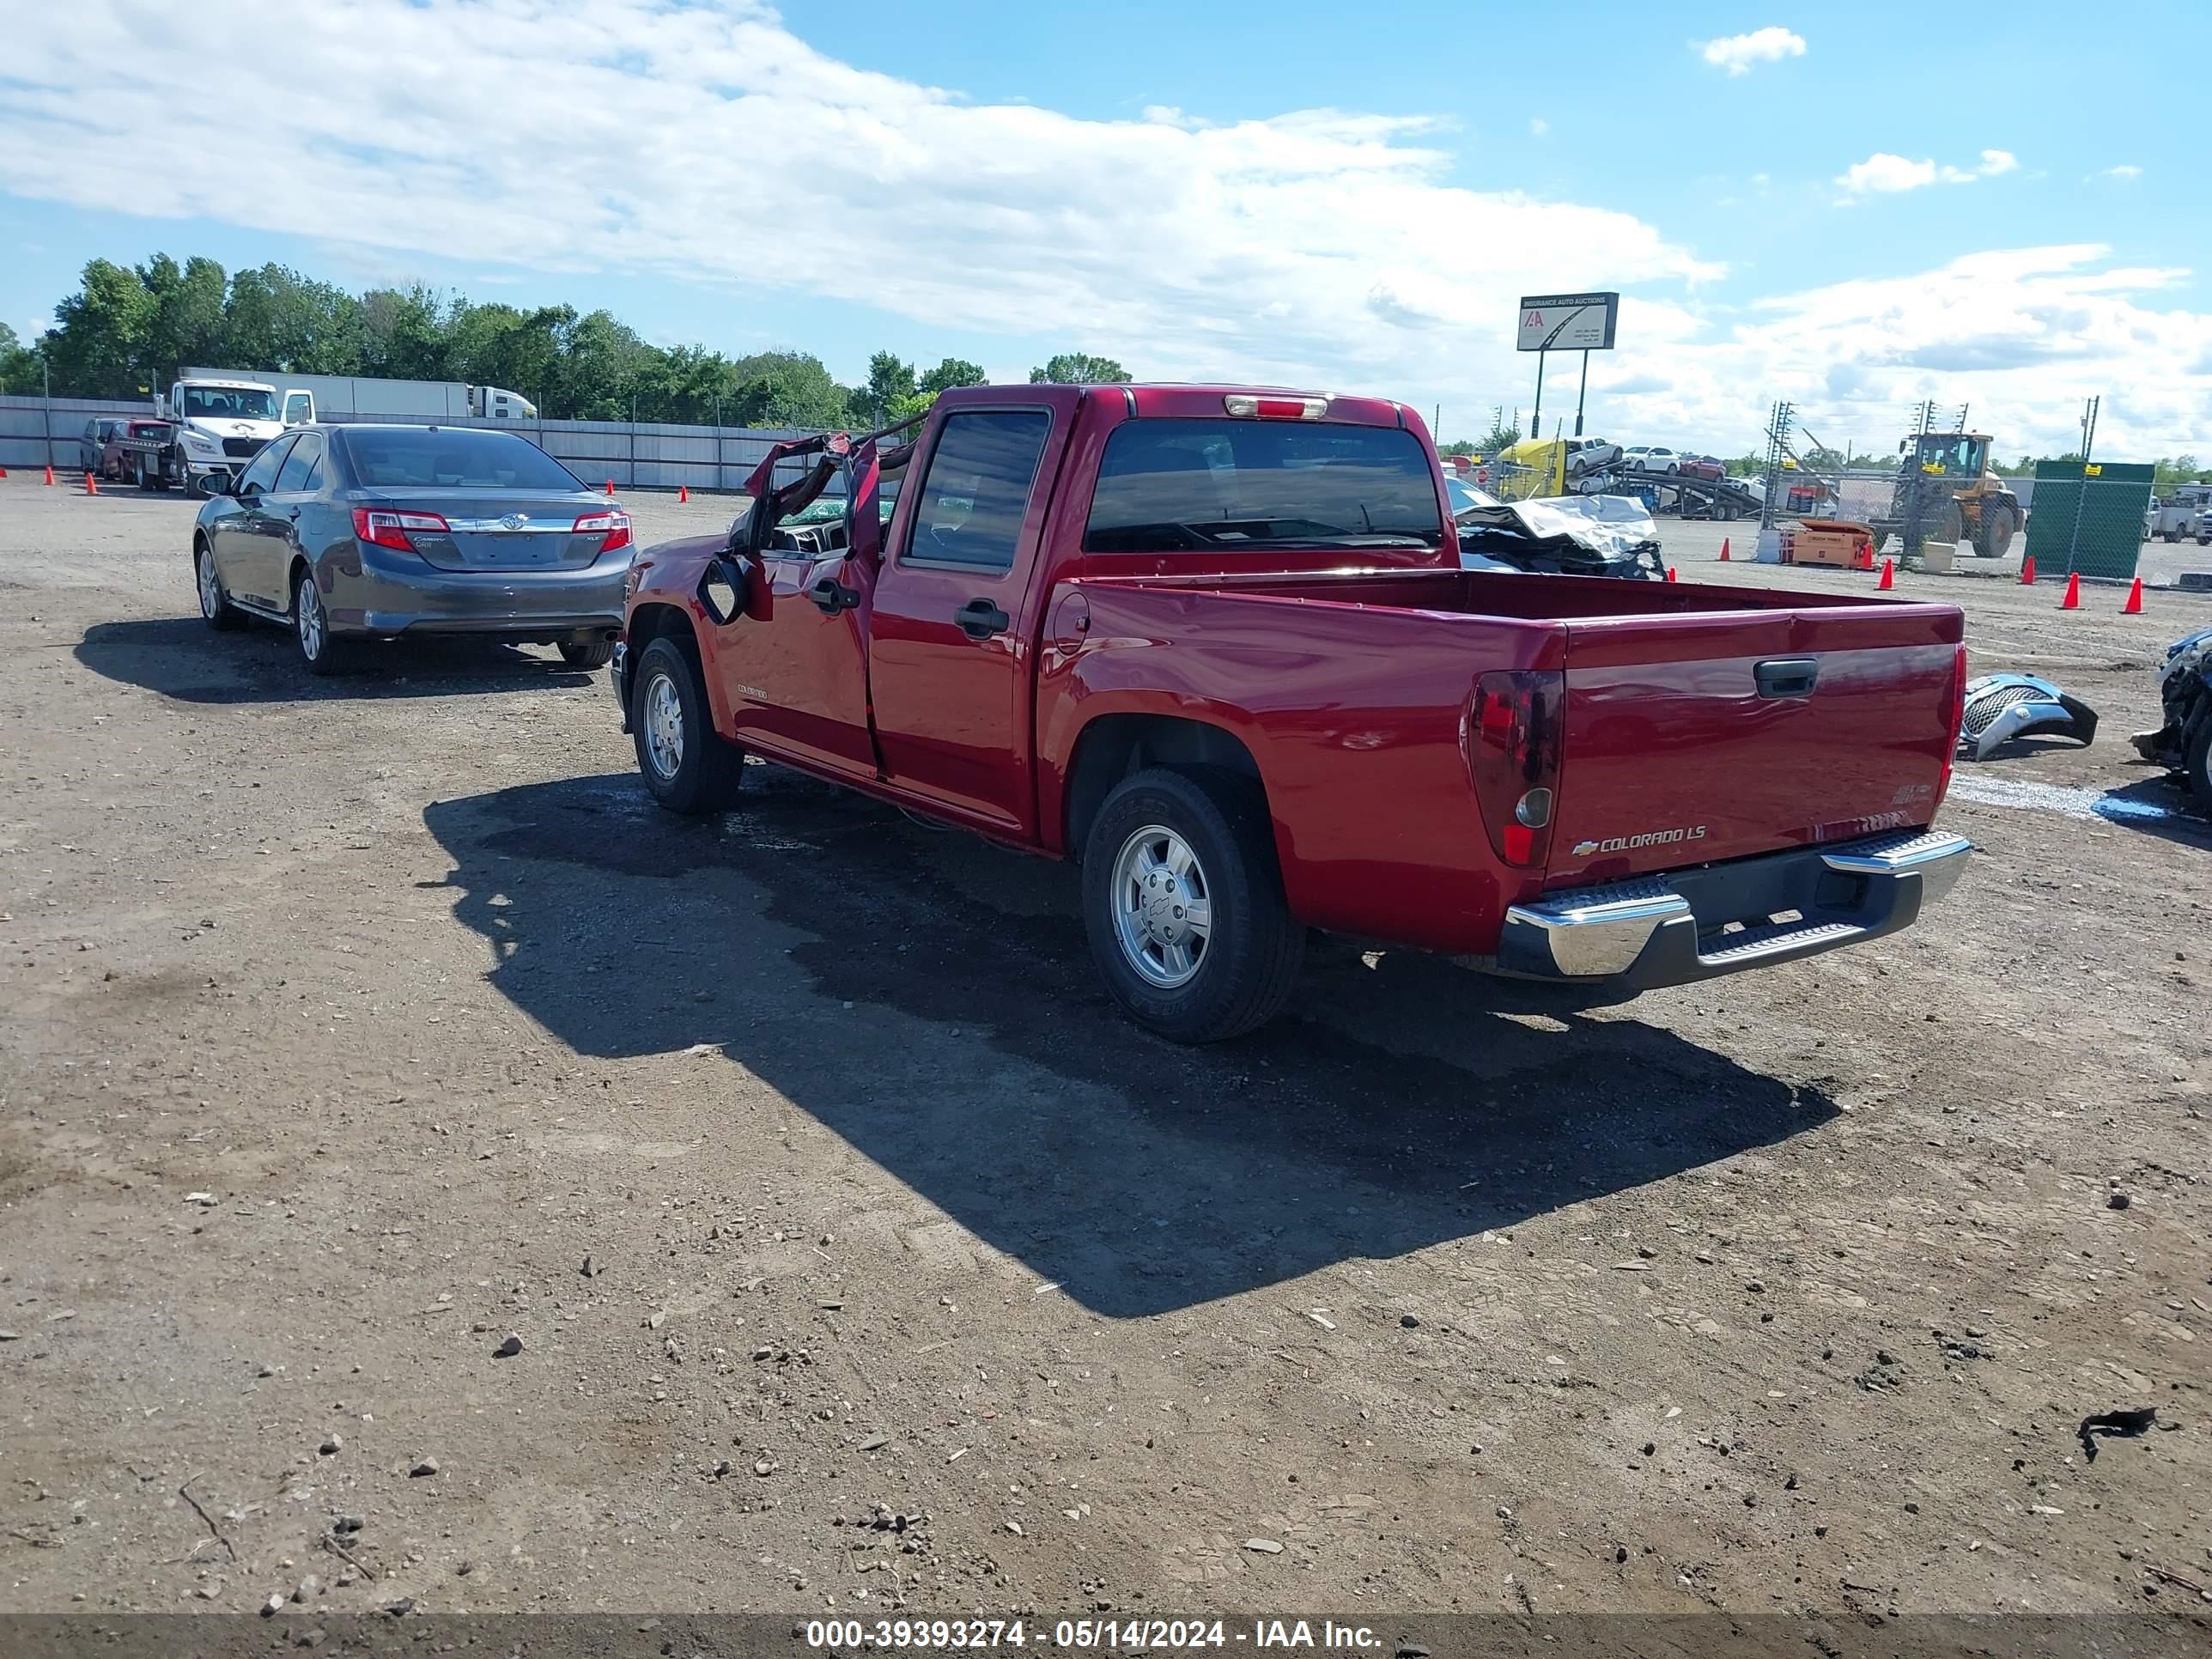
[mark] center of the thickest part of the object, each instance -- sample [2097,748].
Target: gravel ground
[861,1258]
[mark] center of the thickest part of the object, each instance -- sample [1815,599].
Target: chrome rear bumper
[1697,924]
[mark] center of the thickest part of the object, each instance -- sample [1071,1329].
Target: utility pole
[1581,394]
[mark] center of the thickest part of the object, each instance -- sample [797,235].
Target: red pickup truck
[1215,644]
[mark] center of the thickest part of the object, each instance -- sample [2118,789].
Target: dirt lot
[349,1027]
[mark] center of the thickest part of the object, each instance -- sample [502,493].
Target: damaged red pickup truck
[1215,644]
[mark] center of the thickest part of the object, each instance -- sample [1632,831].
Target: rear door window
[1180,485]
[977,490]
[298,471]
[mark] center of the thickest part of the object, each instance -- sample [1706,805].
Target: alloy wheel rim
[211,595]
[310,608]
[1162,907]
[663,725]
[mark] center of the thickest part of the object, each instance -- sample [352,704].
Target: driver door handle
[980,619]
[830,598]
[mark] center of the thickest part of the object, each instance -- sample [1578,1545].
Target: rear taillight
[611,520]
[382,528]
[1511,739]
[1957,722]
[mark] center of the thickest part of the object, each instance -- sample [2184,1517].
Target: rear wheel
[310,626]
[587,653]
[1950,522]
[1182,900]
[216,610]
[687,765]
[2197,763]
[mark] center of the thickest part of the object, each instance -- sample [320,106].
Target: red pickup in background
[1216,644]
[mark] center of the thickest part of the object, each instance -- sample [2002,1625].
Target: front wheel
[1997,534]
[688,766]
[587,653]
[1183,901]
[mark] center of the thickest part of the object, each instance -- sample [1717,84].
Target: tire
[587,653]
[2171,536]
[1950,522]
[216,608]
[1186,984]
[138,472]
[310,627]
[1995,538]
[687,766]
[2197,765]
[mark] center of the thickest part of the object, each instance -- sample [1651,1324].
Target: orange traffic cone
[2073,599]
[682,493]
[49,478]
[1888,576]
[91,481]
[2027,571]
[1724,544]
[610,486]
[1670,573]
[2134,606]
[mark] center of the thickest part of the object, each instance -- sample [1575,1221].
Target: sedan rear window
[1176,485]
[453,457]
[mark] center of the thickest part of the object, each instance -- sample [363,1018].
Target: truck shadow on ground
[930,999]
[182,658]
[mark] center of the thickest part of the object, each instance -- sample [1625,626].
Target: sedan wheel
[215,610]
[310,626]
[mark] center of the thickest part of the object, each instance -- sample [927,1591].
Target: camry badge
[514,521]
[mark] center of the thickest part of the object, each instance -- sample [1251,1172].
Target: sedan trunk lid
[507,529]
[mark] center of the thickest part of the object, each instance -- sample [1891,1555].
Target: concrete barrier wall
[40,432]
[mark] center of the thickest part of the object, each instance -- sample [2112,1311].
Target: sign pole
[1536,420]
[1581,394]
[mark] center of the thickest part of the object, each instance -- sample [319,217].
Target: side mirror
[723,590]
[213,483]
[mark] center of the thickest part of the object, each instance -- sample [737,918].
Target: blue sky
[1850,208]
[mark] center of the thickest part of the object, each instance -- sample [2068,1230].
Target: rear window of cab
[1169,485]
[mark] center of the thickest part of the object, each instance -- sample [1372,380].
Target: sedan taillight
[612,520]
[382,528]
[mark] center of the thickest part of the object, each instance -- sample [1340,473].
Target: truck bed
[1700,724]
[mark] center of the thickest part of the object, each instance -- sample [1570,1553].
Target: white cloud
[1737,53]
[1320,248]
[1884,174]
[1538,127]
[2020,335]
[707,143]
[2125,171]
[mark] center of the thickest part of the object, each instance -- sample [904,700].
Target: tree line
[127,330]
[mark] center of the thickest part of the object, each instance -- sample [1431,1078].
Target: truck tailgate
[1690,739]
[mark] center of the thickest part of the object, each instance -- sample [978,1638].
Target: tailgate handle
[1786,676]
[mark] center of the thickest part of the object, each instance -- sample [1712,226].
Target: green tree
[403,334]
[98,342]
[276,319]
[1501,435]
[1079,368]
[889,381]
[187,327]
[788,389]
[23,372]
[952,372]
